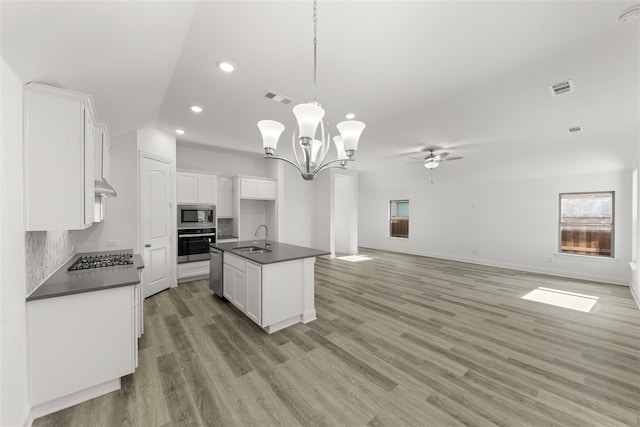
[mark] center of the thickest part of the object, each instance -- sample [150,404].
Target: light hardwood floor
[399,340]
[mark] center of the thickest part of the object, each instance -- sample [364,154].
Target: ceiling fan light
[271,131]
[350,131]
[431,163]
[308,117]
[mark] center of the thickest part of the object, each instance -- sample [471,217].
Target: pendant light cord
[315,47]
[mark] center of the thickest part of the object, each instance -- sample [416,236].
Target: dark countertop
[280,252]
[64,282]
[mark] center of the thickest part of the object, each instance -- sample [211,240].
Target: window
[399,218]
[586,223]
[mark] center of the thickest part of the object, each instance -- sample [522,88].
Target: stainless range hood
[103,188]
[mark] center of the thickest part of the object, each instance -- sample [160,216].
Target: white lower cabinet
[80,345]
[192,270]
[234,281]
[275,295]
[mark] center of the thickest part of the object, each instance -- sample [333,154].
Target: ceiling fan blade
[448,159]
[411,163]
[443,155]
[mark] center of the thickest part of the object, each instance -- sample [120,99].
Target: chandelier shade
[271,131]
[342,155]
[308,117]
[350,131]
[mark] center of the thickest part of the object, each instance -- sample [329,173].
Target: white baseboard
[551,272]
[73,399]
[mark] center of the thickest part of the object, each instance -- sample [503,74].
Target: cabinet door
[267,189]
[207,189]
[79,341]
[254,292]
[89,162]
[228,282]
[249,188]
[240,290]
[187,187]
[224,208]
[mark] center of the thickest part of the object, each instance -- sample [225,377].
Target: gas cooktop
[103,259]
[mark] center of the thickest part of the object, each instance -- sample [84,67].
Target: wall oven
[196,216]
[193,243]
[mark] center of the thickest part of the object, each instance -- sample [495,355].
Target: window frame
[390,218]
[612,224]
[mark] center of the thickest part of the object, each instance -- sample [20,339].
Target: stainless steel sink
[252,250]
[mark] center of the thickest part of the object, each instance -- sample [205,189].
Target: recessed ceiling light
[179,131]
[349,116]
[226,66]
[196,109]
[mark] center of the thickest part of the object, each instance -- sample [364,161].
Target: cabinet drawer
[234,261]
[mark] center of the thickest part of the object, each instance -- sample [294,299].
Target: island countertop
[280,252]
[64,282]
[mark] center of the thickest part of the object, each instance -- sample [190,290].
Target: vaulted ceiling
[469,77]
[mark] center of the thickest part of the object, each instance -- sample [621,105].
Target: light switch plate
[112,243]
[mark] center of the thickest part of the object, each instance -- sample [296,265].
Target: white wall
[512,223]
[121,213]
[297,207]
[14,406]
[223,163]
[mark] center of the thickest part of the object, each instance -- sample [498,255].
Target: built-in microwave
[196,216]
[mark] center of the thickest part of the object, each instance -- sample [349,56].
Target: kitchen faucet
[266,235]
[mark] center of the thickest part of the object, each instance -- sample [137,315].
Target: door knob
[147,245]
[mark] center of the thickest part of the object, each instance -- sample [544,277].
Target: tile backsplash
[45,252]
[225,226]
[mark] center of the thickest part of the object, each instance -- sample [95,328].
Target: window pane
[399,218]
[586,239]
[586,223]
[593,208]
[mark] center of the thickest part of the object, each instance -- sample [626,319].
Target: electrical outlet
[112,243]
[549,260]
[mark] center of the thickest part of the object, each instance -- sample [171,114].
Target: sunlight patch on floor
[570,300]
[355,258]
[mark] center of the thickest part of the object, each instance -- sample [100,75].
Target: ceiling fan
[432,160]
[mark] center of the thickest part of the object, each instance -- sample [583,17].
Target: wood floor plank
[400,340]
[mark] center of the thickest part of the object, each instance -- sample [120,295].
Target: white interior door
[155,224]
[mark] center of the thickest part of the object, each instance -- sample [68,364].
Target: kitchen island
[271,284]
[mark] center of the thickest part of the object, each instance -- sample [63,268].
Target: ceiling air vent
[561,88]
[575,129]
[277,98]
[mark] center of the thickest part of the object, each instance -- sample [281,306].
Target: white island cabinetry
[274,295]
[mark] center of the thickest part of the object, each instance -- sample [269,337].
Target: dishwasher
[215,271]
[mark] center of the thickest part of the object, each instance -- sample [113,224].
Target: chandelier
[310,147]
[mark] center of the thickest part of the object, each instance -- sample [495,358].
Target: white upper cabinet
[257,188]
[59,163]
[224,208]
[197,188]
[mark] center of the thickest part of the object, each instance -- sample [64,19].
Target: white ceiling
[471,77]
